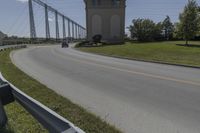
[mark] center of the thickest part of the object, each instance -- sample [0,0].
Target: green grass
[166,52]
[21,121]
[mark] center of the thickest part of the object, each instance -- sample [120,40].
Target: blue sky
[14,13]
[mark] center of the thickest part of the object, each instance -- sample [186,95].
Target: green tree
[188,27]
[145,30]
[168,28]
[177,34]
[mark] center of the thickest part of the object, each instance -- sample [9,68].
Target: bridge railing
[50,120]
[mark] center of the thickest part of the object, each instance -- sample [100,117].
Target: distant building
[107,18]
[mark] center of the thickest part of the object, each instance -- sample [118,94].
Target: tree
[188,27]
[145,30]
[177,34]
[158,33]
[168,28]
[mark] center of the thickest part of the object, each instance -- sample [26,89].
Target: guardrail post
[6,97]
[3,117]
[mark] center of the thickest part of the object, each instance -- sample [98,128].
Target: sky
[14,17]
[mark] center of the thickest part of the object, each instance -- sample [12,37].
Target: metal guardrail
[6,47]
[50,120]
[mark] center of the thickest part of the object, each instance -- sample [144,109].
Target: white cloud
[23,1]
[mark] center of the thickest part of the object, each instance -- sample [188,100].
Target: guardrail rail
[50,120]
[6,47]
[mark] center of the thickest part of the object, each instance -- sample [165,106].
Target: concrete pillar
[57,26]
[64,30]
[47,23]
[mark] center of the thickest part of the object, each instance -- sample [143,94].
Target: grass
[166,52]
[21,121]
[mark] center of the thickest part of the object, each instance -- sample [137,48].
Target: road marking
[129,71]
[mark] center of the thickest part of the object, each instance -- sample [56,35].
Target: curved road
[136,97]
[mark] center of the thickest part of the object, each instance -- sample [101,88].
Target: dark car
[65,44]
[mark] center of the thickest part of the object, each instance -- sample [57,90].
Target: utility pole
[32,22]
[64,30]
[57,26]
[47,23]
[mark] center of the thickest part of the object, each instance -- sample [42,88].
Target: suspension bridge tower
[107,18]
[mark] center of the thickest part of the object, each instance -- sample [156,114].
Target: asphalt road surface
[136,97]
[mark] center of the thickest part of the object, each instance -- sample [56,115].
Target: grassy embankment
[166,52]
[21,121]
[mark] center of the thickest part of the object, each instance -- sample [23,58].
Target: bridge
[75,30]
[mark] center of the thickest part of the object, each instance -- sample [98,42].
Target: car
[65,44]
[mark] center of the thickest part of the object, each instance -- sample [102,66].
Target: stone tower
[107,18]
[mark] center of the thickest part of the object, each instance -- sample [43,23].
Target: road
[136,97]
